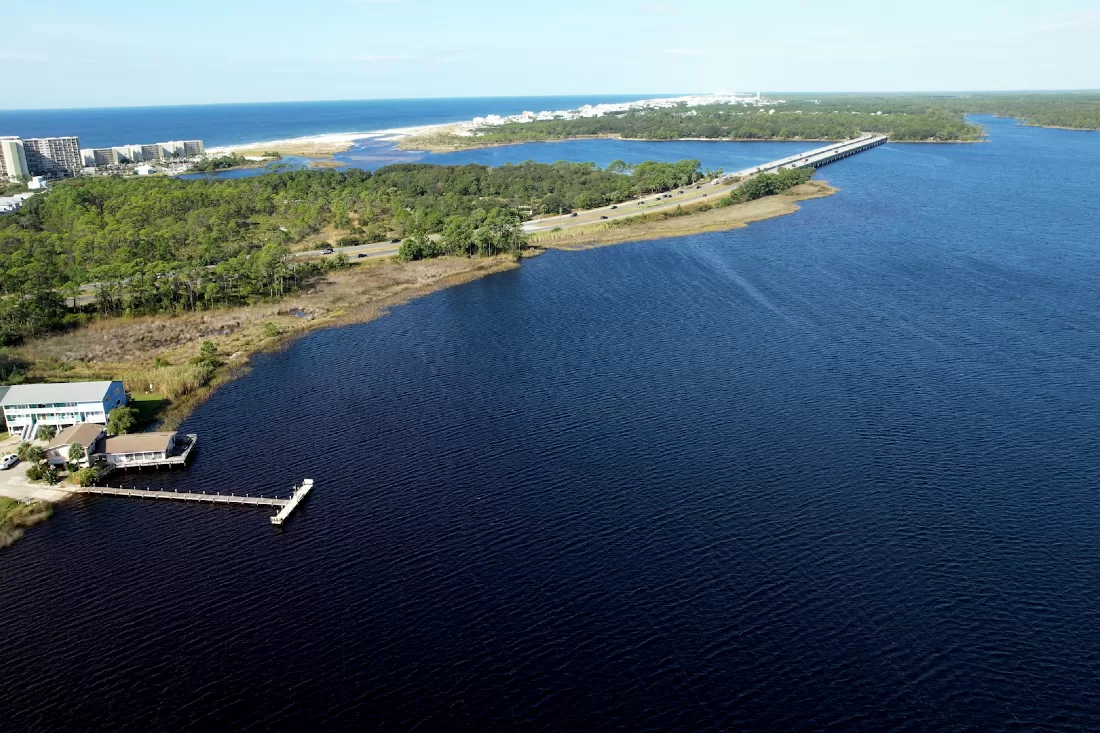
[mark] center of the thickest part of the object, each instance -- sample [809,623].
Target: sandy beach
[317,146]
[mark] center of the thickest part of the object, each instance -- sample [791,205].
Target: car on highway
[361,255]
[326,251]
[8,461]
[573,214]
[681,190]
[614,207]
[395,241]
[603,217]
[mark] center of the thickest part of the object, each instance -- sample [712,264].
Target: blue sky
[78,53]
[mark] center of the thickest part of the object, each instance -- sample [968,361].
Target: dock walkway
[286,506]
[183,496]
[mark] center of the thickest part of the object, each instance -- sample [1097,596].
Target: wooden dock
[299,495]
[286,506]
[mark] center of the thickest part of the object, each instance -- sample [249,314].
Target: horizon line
[544,96]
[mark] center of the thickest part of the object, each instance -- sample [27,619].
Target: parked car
[8,461]
[326,251]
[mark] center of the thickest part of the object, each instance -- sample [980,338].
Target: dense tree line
[165,245]
[1079,110]
[903,117]
[808,121]
[207,165]
[768,184]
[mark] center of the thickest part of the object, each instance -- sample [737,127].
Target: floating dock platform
[299,495]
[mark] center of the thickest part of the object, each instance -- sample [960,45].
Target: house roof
[30,394]
[85,433]
[138,443]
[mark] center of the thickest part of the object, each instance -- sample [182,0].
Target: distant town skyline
[57,53]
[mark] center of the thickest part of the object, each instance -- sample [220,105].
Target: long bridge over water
[717,188]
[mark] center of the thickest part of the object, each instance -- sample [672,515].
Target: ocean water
[233,124]
[833,471]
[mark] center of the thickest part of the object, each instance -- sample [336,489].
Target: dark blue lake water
[834,471]
[373,154]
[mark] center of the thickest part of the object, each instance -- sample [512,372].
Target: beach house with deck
[88,435]
[26,406]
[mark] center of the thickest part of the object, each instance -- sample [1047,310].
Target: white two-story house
[26,406]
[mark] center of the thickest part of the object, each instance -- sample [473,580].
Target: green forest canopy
[159,245]
[925,118]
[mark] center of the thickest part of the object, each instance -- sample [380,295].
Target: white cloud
[683,51]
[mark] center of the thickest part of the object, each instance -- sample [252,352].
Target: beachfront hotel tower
[13,159]
[54,157]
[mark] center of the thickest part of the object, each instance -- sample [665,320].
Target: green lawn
[148,407]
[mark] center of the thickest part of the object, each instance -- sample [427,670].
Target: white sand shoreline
[333,138]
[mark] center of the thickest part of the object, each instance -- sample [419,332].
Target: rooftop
[26,394]
[138,443]
[85,433]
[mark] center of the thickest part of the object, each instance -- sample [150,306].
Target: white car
[8,461]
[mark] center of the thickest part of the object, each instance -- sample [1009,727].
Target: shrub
[271,330]
[35,473]
[122,420]
[348,241]
[86,476]
[51,475]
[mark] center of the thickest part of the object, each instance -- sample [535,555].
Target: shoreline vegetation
[16,517]
[104,282]
[800,118]
[1058,110]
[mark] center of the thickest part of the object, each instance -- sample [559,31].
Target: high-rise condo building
[13,159]
[53,156]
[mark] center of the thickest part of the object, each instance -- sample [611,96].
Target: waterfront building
[53,156]
[13,159]
[150,153]
[87,435]
[129,153]
[104,156]
[26,406]
[141,449]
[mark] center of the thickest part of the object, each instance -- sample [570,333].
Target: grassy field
[148,406]
[16,517]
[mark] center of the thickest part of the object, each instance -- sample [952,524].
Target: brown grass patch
[125,348]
